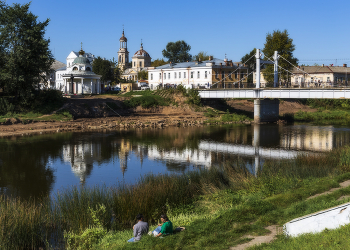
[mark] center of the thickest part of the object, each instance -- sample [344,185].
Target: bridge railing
[306,85]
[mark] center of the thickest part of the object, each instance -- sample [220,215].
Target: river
[41,165]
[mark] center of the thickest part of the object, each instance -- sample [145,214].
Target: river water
[41,165]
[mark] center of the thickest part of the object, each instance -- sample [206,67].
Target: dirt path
[257,240]
[275,229]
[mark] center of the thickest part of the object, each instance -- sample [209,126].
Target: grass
[335,117]
[217,206]
[26,117]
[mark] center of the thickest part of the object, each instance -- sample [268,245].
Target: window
[184,74]
[236,74]
[179,74]
[222,74]
[160,76]
[168,75]
[88,69]
[198,74]
[174,75]
[75,68]
[134,64]
[164,75]
[205,74]
[191,74]
[151,76]
[216,74]
[328,79]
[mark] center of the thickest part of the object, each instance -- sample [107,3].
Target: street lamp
[71,79]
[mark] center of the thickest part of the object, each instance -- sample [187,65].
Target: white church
[76,77]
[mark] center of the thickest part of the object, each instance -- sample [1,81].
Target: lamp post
[72,82]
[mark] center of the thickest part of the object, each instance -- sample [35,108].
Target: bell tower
[123,53]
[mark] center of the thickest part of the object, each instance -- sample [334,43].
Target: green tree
[142,75]
[201,55]
[281,42]
[250,61]
[158,62]
[104,68]
[177,52]
[24,52]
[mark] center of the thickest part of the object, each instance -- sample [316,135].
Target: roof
[57,65]
[215,63]
[320,69]
[81,60]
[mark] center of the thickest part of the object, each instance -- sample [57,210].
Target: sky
[319,28]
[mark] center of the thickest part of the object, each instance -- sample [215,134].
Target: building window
[134,64]
[180,75]
[160,76]
[191,74]
[151,76]
[242,75]
[222,74]
[75,68]
[184,74]
[198,74]
[140,64]
[328,79]
[216,74]
[175,75]
[236,74]
[164,75]
[168,75]
[205,74]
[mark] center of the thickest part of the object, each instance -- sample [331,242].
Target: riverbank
[220,207]
[107,112]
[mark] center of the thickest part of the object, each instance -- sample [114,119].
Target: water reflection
[38,165]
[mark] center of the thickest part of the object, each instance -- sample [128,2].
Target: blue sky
[319,28]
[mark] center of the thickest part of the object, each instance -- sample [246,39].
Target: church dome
[81,60]
[123,38]
[141,53]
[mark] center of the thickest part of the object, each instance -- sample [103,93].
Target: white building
[77,76]
[214,72]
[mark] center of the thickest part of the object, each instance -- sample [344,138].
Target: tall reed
[24,224]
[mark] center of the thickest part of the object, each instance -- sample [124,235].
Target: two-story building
[207,74]
[320,76]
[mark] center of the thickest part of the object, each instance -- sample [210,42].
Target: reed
[24,224]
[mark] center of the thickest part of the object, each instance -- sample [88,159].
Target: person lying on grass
[139,228]
[165,229]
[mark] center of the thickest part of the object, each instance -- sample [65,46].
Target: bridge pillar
[266,110]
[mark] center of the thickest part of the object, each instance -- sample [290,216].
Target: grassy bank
[329,112]
[217,207]
[39,109]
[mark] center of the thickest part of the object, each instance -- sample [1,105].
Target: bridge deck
[284,93]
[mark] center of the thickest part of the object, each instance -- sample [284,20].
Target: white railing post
[275,70]
[257,68]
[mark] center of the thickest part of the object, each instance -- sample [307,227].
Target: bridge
[280,93]
[265,109]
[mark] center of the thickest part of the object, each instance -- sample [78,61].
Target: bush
[147,101]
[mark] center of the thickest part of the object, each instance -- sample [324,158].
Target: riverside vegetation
[330,112]
[217,206]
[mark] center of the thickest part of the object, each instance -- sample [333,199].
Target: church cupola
[123,53]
